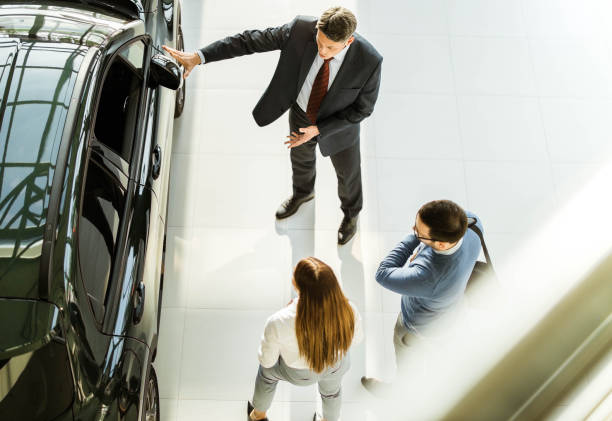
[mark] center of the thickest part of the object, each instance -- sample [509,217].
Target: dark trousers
[347,164]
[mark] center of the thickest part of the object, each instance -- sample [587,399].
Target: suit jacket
[350,98]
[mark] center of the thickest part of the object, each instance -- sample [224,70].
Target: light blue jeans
[329,385]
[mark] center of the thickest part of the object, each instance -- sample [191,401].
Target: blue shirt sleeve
[407,279]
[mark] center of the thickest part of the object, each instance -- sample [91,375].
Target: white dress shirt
[279,338]
[334,66]
[198,52]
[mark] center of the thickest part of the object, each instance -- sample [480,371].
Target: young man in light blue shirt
[430,268]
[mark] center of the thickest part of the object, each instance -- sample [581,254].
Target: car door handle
[139,303]
[156,160]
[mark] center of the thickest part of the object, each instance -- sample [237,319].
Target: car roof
[41,52]
[51,23]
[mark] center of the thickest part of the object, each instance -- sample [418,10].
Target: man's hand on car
[187,60]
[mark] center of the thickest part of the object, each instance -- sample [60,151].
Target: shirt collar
[451,250]
[340,56]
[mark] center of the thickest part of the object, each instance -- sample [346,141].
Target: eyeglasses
[416,234]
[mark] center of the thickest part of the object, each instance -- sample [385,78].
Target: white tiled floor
[501,105]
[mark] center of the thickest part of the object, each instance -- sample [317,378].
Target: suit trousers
[329,385]
[347,164]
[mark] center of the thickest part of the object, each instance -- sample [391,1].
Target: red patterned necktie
[319,89]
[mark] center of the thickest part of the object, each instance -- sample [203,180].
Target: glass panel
[37,80]
[134,54]
[118,108]
[103,203]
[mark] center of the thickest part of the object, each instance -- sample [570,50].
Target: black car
[86,118]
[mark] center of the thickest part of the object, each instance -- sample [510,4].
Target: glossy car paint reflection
[42,187]
[40,79]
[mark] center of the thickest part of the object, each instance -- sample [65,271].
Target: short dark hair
[445,219]
[337,23]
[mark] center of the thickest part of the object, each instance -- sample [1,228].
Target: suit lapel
[351,62]
[310,53]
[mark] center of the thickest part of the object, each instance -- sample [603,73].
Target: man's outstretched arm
[247,42]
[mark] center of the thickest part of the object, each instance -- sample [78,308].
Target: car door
[157,120]
[153,173]
[130,292]
[119,222]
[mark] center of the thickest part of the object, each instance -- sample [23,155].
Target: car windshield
[37,80]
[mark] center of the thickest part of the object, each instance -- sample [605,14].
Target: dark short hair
[445,219]
[337,23]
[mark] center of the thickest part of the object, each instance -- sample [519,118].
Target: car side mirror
[165,72]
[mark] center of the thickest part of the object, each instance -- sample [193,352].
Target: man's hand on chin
[304,135]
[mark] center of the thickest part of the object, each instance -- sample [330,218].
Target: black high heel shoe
[250,409]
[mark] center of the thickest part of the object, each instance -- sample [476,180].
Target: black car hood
[36,84]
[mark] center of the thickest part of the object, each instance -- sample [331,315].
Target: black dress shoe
[347,229]
[291,205]
[250,409]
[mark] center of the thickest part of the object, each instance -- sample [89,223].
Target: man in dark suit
[327,94]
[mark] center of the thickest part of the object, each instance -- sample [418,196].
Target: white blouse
[279,338]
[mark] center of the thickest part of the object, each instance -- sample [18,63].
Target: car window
[134,55]
[37,82]
[117,113]
[103,203]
